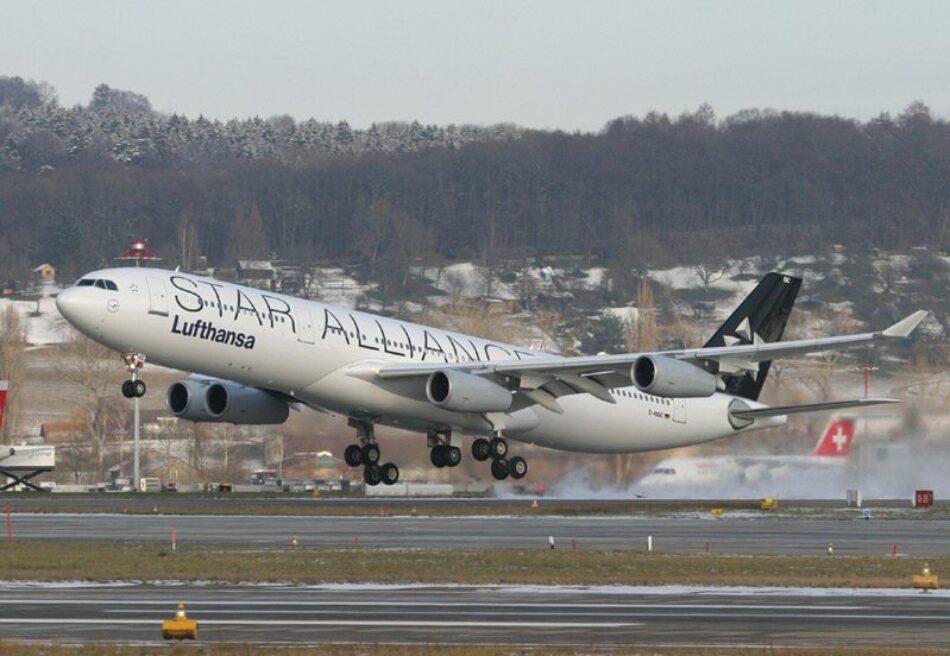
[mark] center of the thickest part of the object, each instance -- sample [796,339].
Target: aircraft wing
[616,368]
[542,379]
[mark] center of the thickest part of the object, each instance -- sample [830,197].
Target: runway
[772,535]
[457,615]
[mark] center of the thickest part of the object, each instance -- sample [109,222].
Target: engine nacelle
[186,400]
[464,392]
[225,402]
[663,376]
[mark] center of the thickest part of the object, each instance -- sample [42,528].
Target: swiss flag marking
[836,441]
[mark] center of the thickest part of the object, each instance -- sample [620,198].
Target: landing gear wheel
[370,454]
[481,451]
[451,456]
[138,388]
[499,469]
[372,475]
[353,455]
[127,389]
[389,473]
[517,467]
[437,456]
[498,447]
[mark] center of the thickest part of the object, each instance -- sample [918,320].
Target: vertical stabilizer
[760,318]
[837,439]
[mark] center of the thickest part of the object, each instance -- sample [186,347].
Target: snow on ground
[333,285]
[628,315]
[48,327]
[467,280]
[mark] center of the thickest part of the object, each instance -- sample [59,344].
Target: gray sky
[546,64]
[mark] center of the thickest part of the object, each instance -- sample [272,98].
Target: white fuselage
[304,349]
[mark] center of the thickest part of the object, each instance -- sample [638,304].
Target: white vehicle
[20,464]
[259,354]
[832,450]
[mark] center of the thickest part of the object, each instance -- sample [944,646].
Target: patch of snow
[48,327]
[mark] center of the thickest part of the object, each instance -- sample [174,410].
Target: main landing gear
[496,449]
[442,453]
[367,454]
[134,388]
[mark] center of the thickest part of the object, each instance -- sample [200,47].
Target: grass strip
[106,561]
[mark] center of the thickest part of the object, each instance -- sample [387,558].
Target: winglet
[906,326]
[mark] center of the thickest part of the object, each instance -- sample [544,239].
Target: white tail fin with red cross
[837,438]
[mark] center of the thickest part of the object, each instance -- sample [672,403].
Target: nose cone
[68,302]
[79,307]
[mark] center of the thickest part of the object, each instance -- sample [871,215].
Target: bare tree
[12,365]
[709,273]
[97,371]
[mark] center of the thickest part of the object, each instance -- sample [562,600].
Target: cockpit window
[101,284]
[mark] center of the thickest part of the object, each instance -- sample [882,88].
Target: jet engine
[465,392]
[225,402]
[664,376]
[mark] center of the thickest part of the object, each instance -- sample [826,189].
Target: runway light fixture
[180,627]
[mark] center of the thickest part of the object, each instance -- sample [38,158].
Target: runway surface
[773,535]
[449,615]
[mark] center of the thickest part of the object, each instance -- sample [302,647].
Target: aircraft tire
[499,469]
[481,450]
[127,390]
[517,467]
[499,448]
[372,475]
[353,455]
[389,473]
[138,388]
[452,455]
[370,454]
[437,456]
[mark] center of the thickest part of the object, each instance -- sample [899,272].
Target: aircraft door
[679,411]
[157,296]
[304,325]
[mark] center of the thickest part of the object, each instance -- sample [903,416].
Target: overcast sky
[545,64]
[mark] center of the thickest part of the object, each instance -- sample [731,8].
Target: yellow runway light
[769,504]
[180,627]
[717,512]
[926,580]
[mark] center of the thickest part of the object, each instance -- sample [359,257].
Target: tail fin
[761,317]
[3,402]
[836,441]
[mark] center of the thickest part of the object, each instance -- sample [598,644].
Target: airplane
[831,451]
[258,354]
[22,463]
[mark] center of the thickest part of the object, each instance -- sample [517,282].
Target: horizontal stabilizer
[906,326]
[754,413]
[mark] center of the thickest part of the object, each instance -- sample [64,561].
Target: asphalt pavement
[686,534]
[537,615]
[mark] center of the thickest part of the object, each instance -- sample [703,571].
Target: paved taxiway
[522,615]
[773,535]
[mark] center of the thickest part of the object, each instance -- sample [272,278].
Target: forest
[76,183]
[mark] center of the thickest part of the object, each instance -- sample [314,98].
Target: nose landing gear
[134,388]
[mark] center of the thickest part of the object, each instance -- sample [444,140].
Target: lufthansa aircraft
[258,354]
